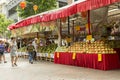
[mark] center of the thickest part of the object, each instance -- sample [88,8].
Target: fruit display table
[108,61]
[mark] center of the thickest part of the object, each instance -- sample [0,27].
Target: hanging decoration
[77,28]
[23,4]
[89,37]
[35,7]
[84,14]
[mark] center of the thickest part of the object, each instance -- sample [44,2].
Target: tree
[4,22]
[43,5]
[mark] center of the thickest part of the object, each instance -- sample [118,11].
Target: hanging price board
[77,28]
[89,37]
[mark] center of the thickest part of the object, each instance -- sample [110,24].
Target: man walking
[34,43]
[30,49]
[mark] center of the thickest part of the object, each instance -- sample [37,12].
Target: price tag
[77,28]
[99,57]
[89,37]
[74,56]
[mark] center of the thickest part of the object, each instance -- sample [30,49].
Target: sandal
[5,61]
[15,64]
[12,65]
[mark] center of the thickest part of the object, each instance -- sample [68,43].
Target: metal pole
[68,29]
[60,28]
[89,31]
[68,25]
[61,32]
[73,30]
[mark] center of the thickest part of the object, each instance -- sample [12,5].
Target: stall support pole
[73,31]
[68,25]
[68,29]
[60,28]
[61,31]
[37,35]
[89,31]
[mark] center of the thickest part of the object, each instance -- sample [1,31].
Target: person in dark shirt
[30,49]
[2,49]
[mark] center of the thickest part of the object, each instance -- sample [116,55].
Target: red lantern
[35,7]
[23,4]
[84,14]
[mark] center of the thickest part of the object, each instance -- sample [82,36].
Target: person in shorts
[13,52]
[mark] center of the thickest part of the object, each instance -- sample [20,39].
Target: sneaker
[31,62]
[12,65]
[15,64]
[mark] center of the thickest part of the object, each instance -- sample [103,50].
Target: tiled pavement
[42,70]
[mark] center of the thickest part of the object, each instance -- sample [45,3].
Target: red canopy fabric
[93,4]
[59,14]
[65,12]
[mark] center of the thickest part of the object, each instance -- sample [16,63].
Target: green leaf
[43,6]
[4,22]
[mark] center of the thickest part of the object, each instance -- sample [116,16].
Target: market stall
[108,62]
[90,53]
[96,55]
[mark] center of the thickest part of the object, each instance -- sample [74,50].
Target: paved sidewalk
[42,70]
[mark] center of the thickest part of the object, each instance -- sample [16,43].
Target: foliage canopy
[4,22]
[43,5]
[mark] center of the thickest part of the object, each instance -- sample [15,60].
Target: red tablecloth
[109,61]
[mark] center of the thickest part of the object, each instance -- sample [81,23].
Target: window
[61,4]
[12,11]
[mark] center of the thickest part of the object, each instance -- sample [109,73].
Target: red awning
[93,4]
[65,12]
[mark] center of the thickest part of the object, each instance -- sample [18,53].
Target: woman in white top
[13,52]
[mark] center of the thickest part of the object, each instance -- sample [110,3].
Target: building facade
[8,7]
[62,3]
[11,6]
[67,2]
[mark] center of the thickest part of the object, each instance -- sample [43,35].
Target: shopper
[34,43]
[13,52]
[30,49]
[2,48]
